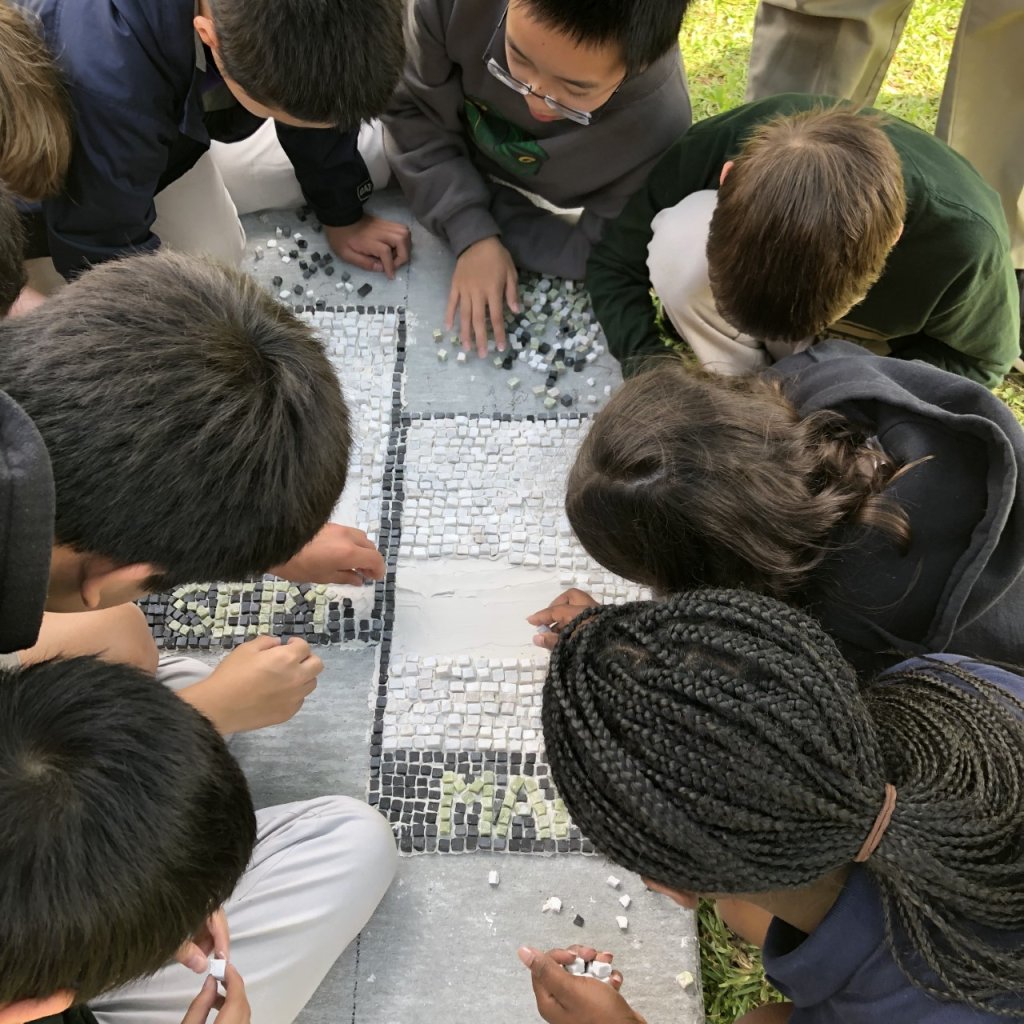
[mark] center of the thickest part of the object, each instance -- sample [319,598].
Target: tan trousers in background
[843,48]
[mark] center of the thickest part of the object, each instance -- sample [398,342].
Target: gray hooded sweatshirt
[959,586]
[454,133]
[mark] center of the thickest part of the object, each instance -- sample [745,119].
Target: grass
[716,47]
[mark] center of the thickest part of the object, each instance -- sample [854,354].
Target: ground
[380,725]
[429,702]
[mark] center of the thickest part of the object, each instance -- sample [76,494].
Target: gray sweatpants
[843,48]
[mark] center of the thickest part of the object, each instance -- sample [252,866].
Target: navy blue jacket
[845,972]
[132,75]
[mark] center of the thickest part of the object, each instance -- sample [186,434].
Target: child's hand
[485,278]
[212,937]
[263,682]
[563,998]
[337,554]
[558,615]
[372,243]
[232,1008]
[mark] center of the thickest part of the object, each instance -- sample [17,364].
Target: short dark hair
[127,823]
[644,30]
[804,222]
[692,479]
[12,244]
[192,420]
[718,743]
[334,62]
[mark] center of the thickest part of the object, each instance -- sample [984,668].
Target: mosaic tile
[494,488]
[209,616]
[460,802]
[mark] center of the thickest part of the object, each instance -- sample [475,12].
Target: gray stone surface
[442,946]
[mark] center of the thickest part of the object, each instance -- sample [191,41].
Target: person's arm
[977,333]
[426,141]
[335,183]
[617,274]
[331,173]
[106,208]
[542,240]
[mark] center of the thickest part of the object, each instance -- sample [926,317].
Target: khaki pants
[843,48]
[194,214]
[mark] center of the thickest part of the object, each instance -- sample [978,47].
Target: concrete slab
[442,945]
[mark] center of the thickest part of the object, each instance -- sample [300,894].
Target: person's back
[885,496]
[789,219]
[467,138]
[150,82]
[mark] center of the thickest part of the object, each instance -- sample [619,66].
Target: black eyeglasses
[583,117]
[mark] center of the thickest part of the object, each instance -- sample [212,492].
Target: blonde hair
[35,115]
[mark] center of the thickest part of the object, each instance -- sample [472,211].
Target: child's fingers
[235,1008]
[449,313]
[401,242]
[480,325]
[541,618]
[466,321]
[361,260]
[192,956]
[298,649]
[546,640]
[369,561]
[260,643]
[496,309]
[351,579]
[512,292]
[382,249]
[202,1006]
[615,980]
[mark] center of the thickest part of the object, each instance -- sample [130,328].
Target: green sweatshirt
[948,295]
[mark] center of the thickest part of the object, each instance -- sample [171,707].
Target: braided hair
[718,743]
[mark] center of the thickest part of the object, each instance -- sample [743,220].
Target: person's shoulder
[105,47]
[958,669]
[945,188]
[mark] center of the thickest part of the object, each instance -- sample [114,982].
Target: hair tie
[880,825]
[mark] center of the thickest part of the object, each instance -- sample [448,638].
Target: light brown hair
[804,222]
[35,115]
[688,479]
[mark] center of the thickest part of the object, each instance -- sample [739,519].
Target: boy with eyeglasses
[508,109]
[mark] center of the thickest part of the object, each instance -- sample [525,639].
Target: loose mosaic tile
[555,336]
